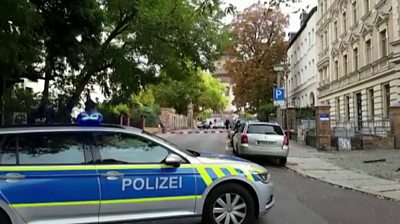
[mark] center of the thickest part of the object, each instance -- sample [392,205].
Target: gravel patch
[355,161]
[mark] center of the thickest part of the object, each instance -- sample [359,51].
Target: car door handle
[12,176]
[112,175]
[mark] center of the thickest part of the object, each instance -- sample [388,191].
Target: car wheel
[229,204]
[4,219]
[282,161]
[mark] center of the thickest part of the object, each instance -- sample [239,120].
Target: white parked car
[261,138]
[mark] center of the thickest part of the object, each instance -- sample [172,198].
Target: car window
[264,129]
[8,150]
[51,148]
[117,148]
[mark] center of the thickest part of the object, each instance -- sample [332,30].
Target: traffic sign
[279,94]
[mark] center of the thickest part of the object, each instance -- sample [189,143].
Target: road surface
[300,199]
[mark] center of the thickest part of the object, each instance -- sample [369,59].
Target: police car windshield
[187,151]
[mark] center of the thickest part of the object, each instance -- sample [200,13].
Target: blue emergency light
[89,119]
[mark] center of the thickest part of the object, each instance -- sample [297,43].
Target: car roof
[262,123]
[64,127]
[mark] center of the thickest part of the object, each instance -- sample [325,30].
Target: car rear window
[264,129]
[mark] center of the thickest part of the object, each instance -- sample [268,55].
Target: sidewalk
[303,159]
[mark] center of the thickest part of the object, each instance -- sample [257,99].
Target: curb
[380,195]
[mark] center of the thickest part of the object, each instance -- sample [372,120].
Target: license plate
[266,142]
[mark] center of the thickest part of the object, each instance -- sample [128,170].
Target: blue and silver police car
[104,173]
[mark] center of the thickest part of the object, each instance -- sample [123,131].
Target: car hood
[212,158]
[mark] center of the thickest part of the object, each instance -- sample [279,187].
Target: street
[300,199]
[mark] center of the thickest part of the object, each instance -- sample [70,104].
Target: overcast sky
[294,18]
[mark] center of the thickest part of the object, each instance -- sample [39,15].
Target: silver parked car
[94,174]
[261,138]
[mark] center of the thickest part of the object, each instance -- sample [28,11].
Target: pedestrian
[227,124]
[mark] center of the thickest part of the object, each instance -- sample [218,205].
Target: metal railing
[351,127]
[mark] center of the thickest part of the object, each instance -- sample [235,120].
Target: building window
[344,21]
[337,109]
[386,100]
[383,43]
[345,64]
[371,104]
[366,6]
[335,30]
[355,58]
[368,52]
[347,107]
[336,69]
[354,8]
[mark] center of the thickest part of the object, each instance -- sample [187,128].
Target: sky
[294,19]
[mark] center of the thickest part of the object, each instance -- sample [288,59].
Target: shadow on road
[263,161]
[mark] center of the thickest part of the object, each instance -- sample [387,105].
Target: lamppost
[282,69]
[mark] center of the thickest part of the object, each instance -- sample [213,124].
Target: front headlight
[264,177]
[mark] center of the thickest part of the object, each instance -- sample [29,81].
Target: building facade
[358,58]
[301,83]
[221,73]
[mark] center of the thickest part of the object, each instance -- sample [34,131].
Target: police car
[103,173]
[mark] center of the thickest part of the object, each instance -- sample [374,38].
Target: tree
[213,95]
[143,37]
[198,87]
[19,47]
[258,45]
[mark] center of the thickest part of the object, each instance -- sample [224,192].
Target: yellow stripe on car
[118,201]
[204,175]
[218,172]
[232,170]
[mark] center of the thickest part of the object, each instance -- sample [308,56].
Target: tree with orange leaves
[258,44]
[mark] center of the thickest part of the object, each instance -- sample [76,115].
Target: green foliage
[204,114]
[120,45]
[305,112]
[265,110]
[144,98]
[213,96]
[19,47]
[200,88]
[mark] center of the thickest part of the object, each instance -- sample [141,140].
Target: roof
[261,122]
[310,14]
[64,127]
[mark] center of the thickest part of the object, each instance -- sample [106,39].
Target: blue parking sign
[279,94]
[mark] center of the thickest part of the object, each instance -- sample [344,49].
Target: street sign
[324,117]
[279,94]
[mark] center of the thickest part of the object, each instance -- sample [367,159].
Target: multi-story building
[301,82]
[221,73]
[358,58]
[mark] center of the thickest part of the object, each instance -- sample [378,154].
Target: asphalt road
[300,199]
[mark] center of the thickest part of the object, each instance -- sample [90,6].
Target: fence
[370,127]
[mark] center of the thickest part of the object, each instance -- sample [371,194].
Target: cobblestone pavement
[361,161]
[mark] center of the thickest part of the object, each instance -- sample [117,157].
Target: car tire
[4,219]
[245,215]
[282,161]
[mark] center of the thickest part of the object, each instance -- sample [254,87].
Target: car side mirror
[173,160]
